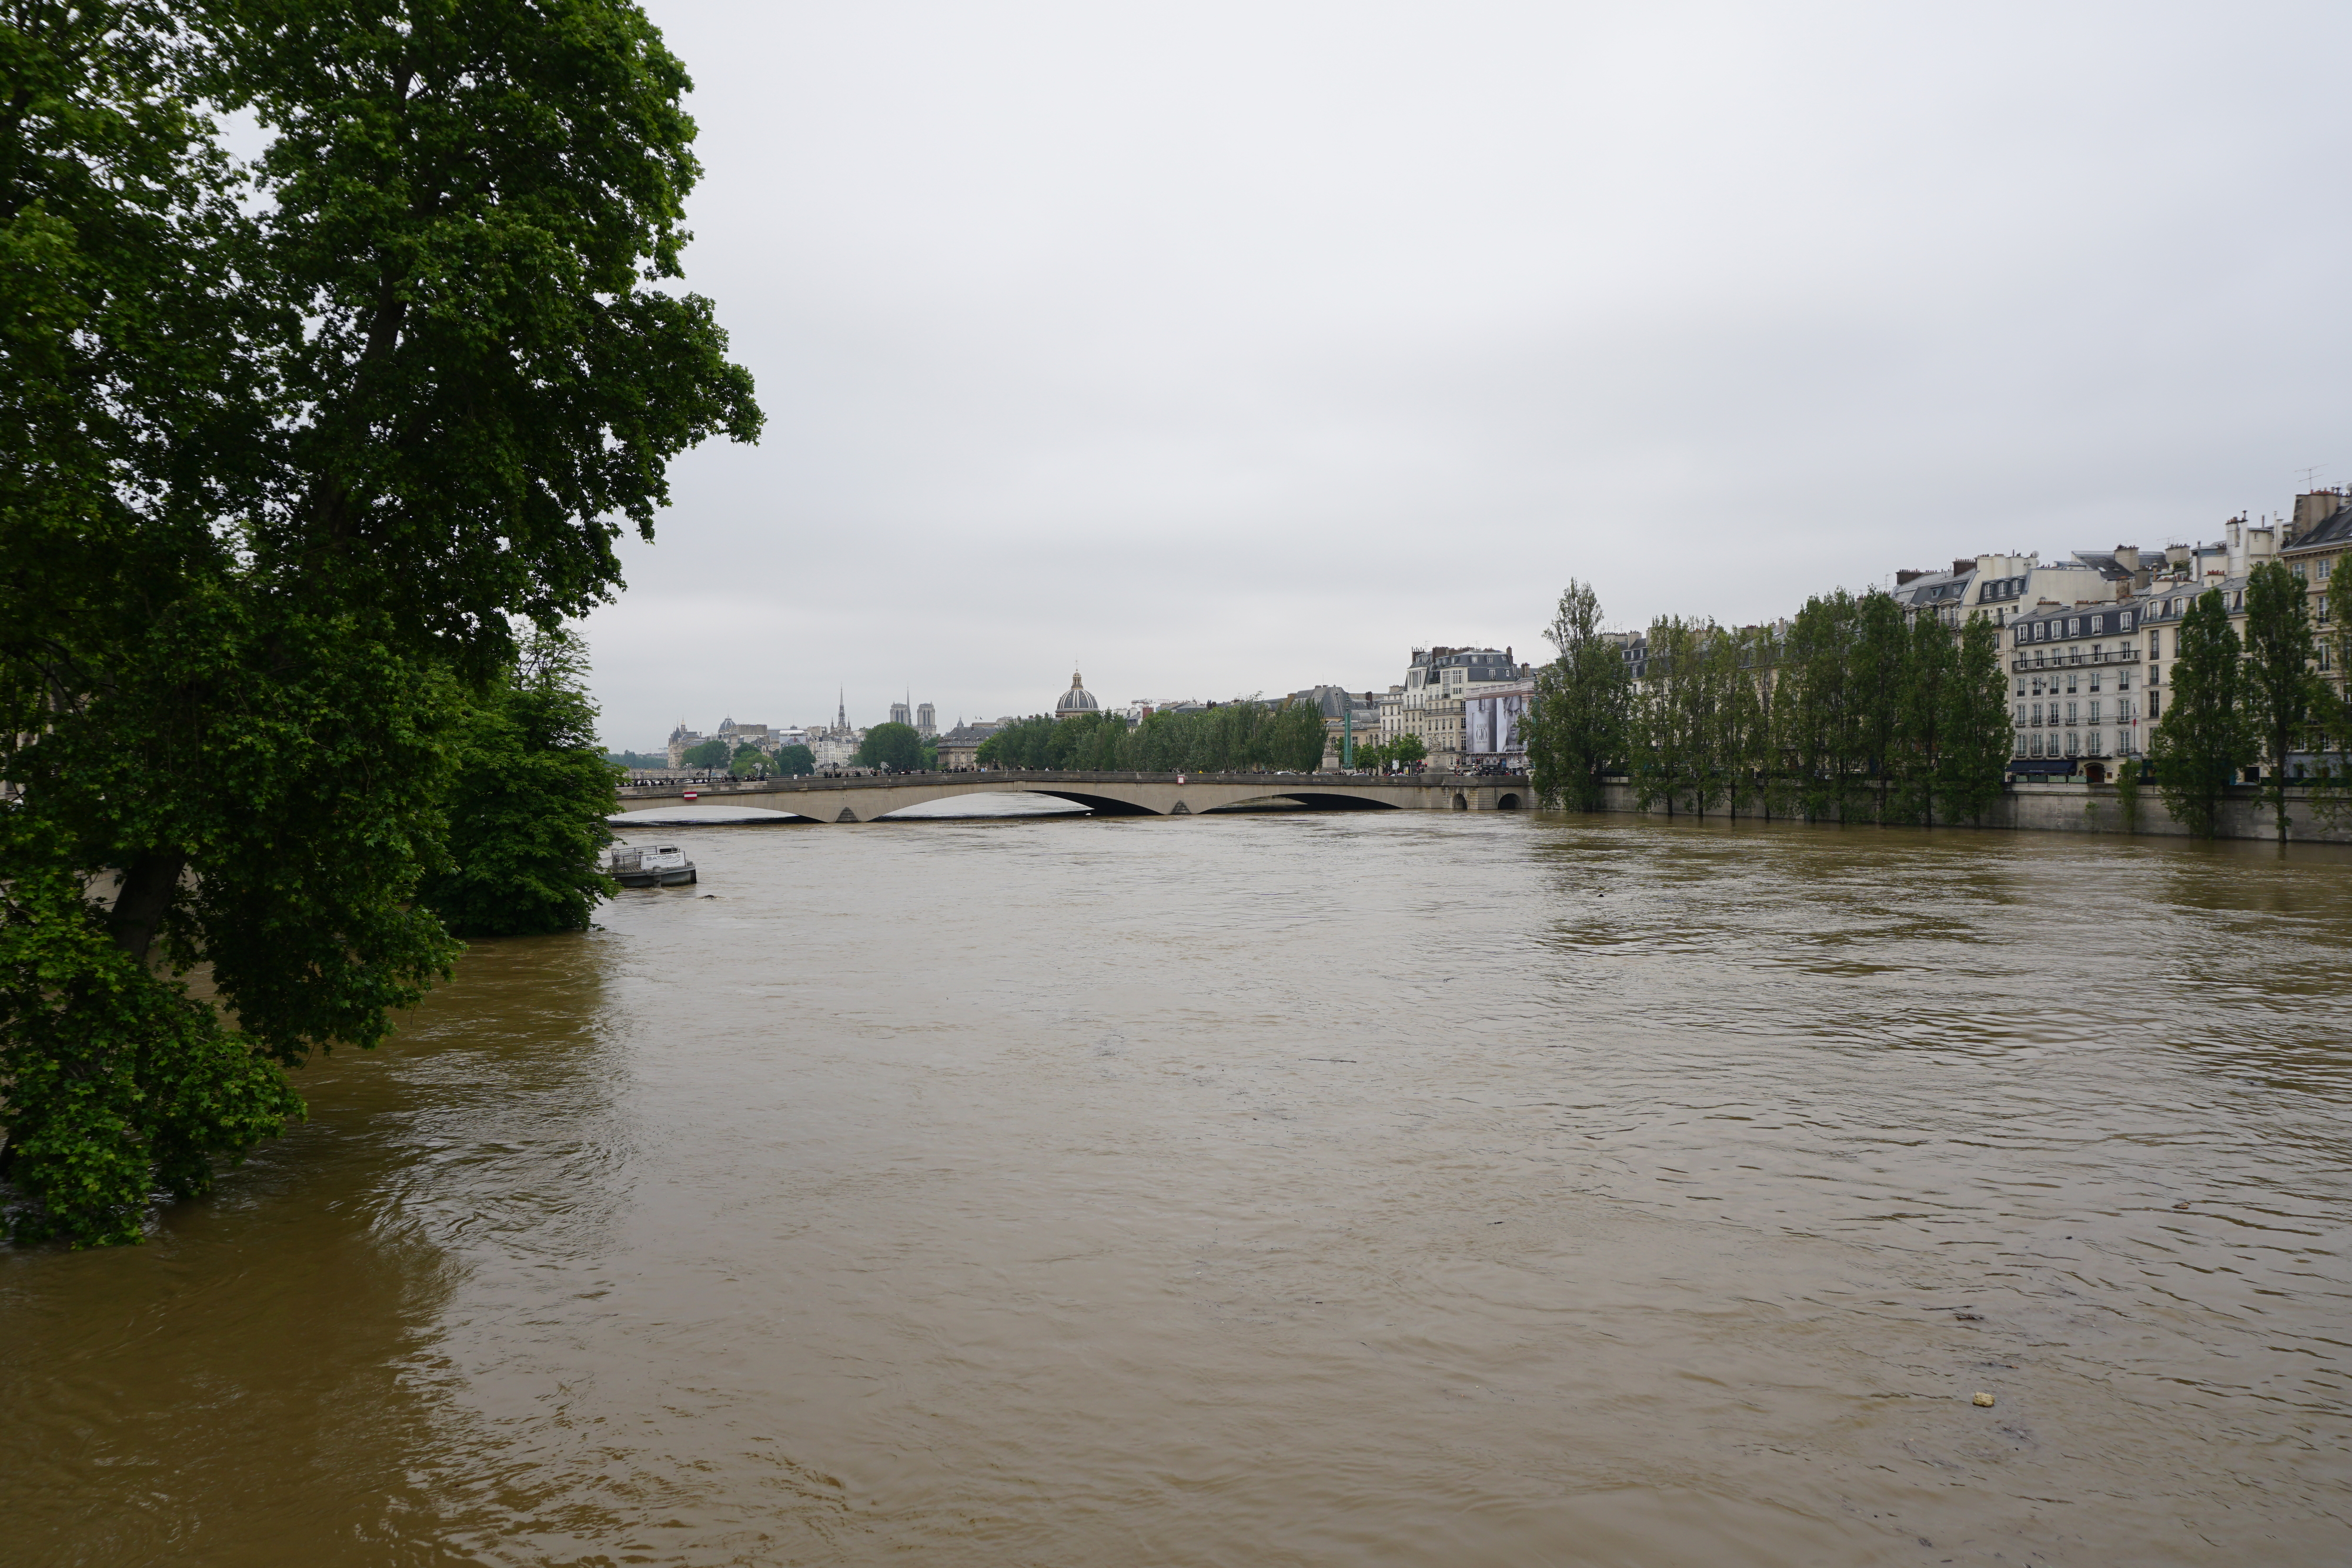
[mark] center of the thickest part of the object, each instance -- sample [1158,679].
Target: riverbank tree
[290,447]
[2331,787]
[527,803]
[1403,752]
[1242,736]
[1576,723]
[897,747]
[1848,710]
[2284,689]
[1974,740]
[2203,737]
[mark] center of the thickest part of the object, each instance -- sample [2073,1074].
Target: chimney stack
[2314,507]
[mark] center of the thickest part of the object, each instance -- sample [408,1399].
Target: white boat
[649,867]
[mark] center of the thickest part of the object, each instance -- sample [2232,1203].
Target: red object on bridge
[691,794]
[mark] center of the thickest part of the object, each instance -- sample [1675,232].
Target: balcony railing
[2039,661]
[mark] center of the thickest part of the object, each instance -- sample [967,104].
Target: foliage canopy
[285,449]
[528,807]
[1242,736]
[2203,737]
[897,747]
[1849,710]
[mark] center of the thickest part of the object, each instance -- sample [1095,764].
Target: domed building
[1076,700]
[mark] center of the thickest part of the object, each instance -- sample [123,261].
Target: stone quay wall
[2070,808]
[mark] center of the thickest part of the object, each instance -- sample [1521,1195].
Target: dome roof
[1076,700]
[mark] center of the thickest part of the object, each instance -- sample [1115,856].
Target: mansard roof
[2332,532]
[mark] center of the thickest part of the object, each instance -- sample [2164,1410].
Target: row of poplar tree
[1848,711]
[1242,736]
[1854,713]
[2252,691]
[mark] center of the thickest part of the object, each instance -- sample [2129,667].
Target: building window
[2155,706]
[2094,713]
[2073,744]
[2070,712]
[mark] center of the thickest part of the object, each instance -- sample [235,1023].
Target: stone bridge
[863,799]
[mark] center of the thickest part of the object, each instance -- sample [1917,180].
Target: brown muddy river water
[1386,1190]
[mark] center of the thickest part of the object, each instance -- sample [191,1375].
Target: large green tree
[704,754]
[2331,790]
[1817,714]
[1662,738]
[529,804]
[895,747]
[2203,737]
[1974,739]
[2284,692]
[1576,724]
[794,761]
[1247,735]
[1929,668]
[285,457]
[1878,654]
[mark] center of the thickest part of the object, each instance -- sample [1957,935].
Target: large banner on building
[1491,726]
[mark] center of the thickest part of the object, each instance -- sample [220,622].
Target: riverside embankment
[2071,807]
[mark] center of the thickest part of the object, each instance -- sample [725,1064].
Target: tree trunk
[149,885]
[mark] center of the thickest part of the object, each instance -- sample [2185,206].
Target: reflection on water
[1409,1189]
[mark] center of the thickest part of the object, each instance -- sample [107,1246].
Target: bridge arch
[1329,800]
[1099,804]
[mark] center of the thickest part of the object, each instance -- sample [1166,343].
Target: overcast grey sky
[1227,348]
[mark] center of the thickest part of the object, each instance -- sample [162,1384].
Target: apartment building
[2003,587]
[2318,544]
[1429,702]
[2077,688]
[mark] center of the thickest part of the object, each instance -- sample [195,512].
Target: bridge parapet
[863,798]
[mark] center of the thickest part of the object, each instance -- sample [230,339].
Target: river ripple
[1294,1189]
